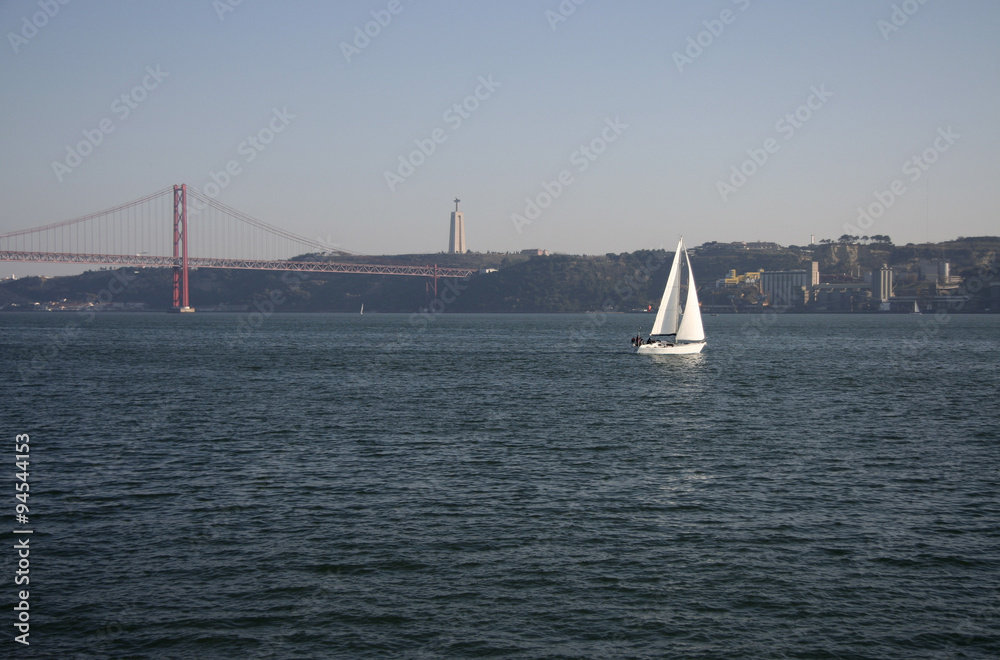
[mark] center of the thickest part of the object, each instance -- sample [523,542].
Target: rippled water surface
[507,486]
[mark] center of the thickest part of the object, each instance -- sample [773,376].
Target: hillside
[557,283]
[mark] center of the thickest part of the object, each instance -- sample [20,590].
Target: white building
[882,284]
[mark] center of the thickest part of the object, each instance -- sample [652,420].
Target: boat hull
[662,348]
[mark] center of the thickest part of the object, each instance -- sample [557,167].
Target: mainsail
[668,314]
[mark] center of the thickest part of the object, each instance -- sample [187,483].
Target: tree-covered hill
[506,283]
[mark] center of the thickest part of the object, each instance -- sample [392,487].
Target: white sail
[667,315]
[691,328]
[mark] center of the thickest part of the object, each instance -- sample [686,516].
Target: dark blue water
[305,486]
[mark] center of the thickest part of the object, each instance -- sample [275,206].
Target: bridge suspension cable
[225,217]
[135,227]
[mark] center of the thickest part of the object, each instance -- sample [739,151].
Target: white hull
[661,348]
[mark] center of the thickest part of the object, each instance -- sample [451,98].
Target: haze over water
[623,124]
[509,486]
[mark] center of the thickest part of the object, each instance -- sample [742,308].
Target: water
[308,486]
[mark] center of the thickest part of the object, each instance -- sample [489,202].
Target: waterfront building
[938,272]
[882,284]
[789,287]
[786,288]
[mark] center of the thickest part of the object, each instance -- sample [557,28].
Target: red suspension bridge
[209,234]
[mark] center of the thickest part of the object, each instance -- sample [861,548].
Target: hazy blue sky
[669,131]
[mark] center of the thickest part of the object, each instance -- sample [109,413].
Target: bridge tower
[181,250]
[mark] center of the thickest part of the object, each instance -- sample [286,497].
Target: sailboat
[362,309]
[916,308]
[675,330]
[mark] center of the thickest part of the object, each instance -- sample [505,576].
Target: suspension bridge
[161,229]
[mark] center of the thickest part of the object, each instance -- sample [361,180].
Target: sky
[576,126]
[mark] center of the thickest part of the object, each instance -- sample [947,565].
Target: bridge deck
[242,264]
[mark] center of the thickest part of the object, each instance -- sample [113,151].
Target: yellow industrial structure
[732,279]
